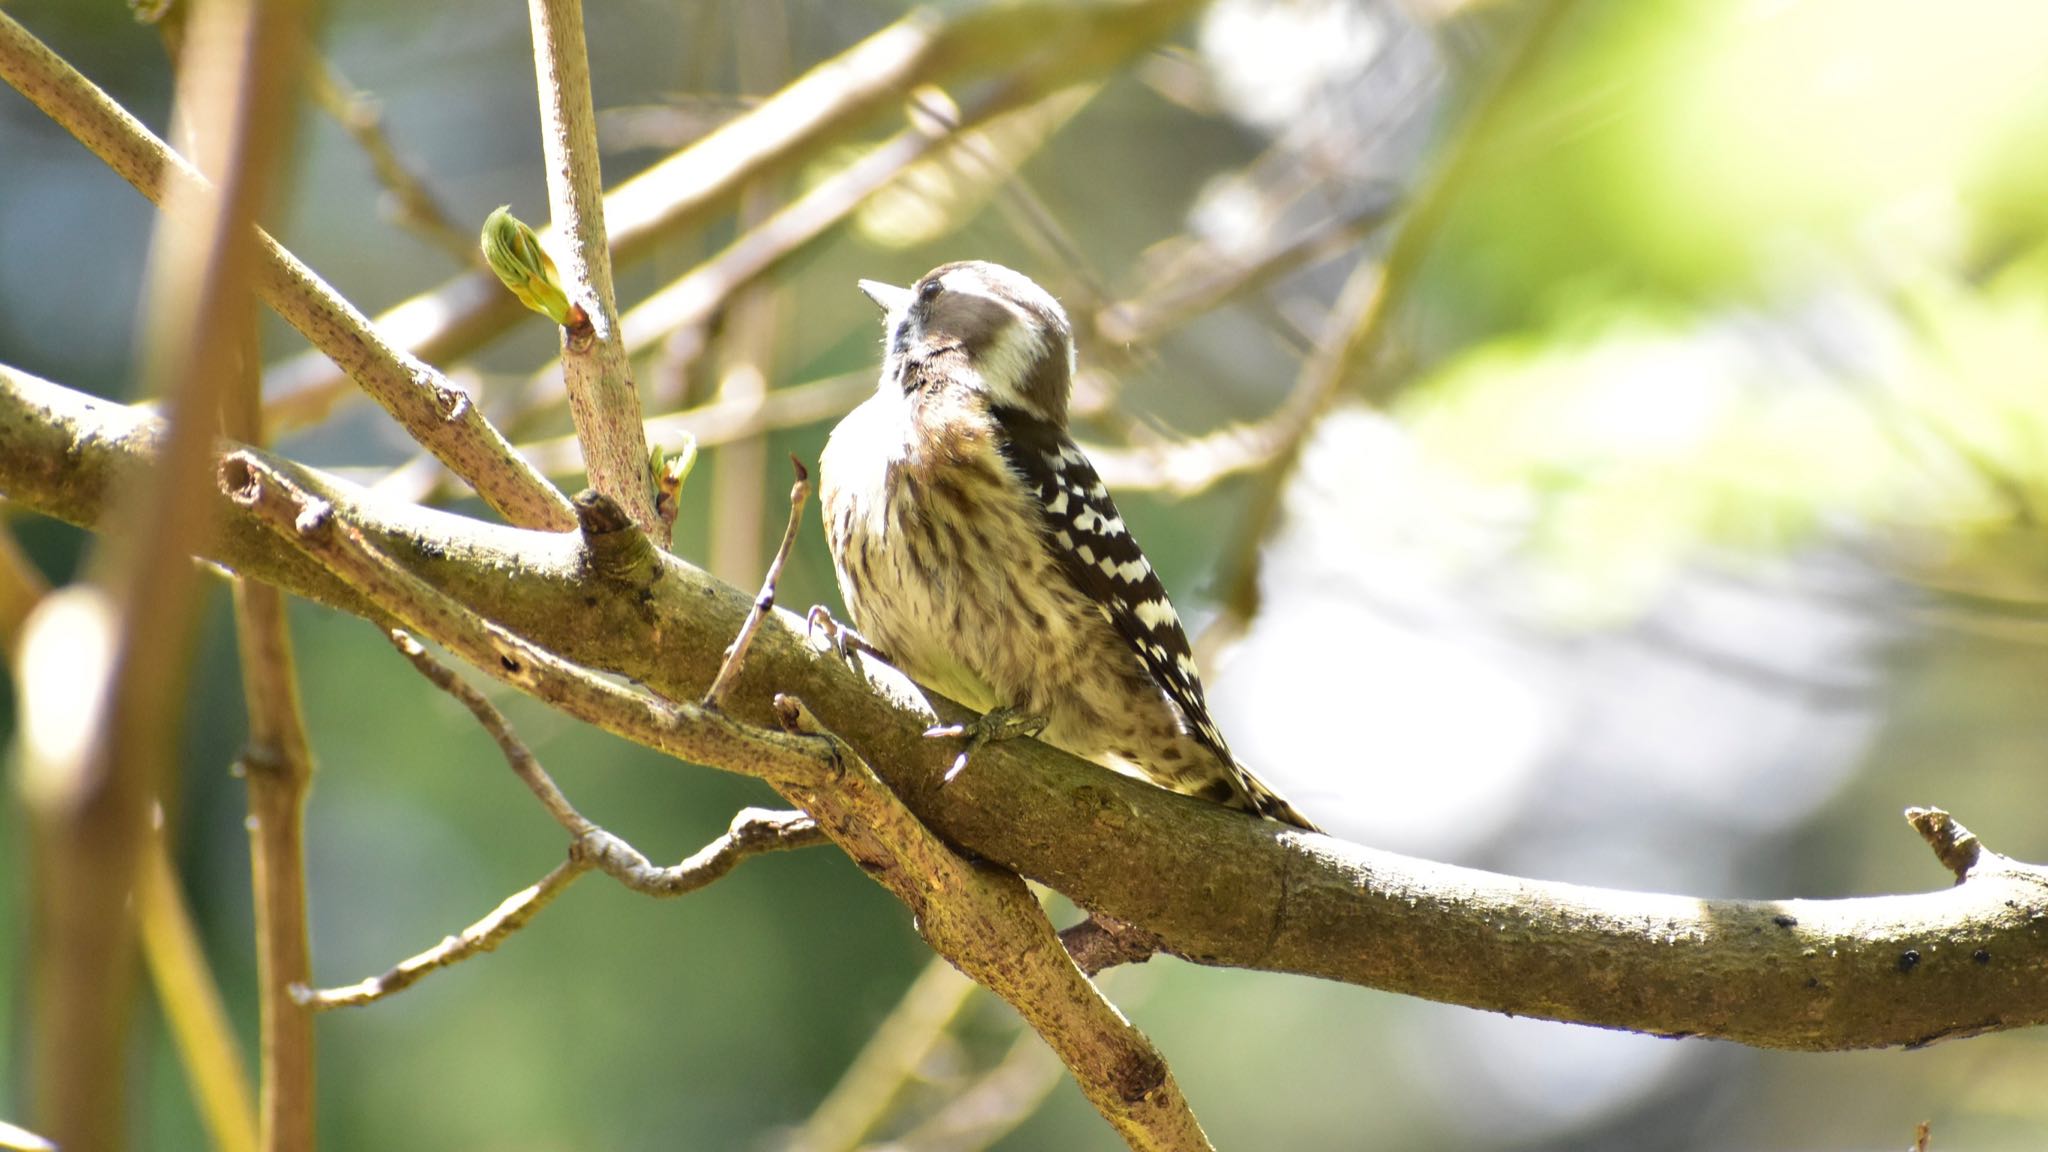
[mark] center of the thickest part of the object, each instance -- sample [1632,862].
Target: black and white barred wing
[1097,552]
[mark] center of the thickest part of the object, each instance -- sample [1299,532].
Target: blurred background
[1601,440]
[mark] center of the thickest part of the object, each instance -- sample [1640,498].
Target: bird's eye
[930,289]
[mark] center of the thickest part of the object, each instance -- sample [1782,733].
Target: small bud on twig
[514,252]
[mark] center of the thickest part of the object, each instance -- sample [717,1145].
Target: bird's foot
[842,639]
[997,725]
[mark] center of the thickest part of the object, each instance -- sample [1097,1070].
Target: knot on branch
[1138,1076]
[1955,846]
[252,484]
[615,550]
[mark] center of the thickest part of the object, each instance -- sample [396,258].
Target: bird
[976,547]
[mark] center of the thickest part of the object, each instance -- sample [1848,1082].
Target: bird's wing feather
[1098,554]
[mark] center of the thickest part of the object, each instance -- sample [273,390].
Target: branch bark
[1215,887]
[602,399]
[980,917]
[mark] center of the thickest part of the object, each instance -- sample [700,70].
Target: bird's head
[984,327]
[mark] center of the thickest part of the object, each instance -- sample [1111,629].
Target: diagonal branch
[980,917]
[1056,41]
[434,412]
[736,656]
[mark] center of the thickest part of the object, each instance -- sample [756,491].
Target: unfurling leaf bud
[515,254]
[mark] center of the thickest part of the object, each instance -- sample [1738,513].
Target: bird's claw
[998,725]
[844,641]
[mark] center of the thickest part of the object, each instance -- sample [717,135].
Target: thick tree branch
[980,917]
[1214,886]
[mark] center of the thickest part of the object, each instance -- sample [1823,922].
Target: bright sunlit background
[1680,529]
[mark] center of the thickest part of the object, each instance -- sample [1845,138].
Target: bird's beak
[891,298]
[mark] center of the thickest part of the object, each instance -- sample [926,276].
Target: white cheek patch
[1008,362]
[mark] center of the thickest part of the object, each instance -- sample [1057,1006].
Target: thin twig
[277,764]
[736,656]
[523,762]
[21,585]
[753,831]
[482,936]
[990,1107]
[191,999]
[1060,43]
[435,413]
[91,810]
[894,1052]
[413,204]
[595,373]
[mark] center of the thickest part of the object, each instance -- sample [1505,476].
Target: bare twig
[990,1107]
[521,759]
[599,381]
[1059,43]
[753,831]
[96,783]
[21,585]
[434,412]
[277,764]
[736,656]
[192,1005]
[1358,321]
[894,1052]
[482,936]
[412,203]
